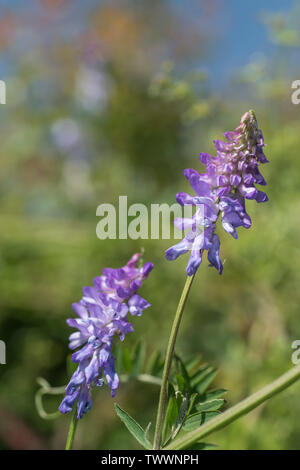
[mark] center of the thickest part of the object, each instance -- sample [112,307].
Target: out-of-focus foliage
[113,100]
[283,27]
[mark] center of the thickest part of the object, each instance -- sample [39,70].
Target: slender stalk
[168,362]
[71,433]
[236,411]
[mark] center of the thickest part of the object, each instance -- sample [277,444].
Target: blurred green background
[118,98]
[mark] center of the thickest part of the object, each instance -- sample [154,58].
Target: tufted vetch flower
[230,178]
[102,315]
[122,283]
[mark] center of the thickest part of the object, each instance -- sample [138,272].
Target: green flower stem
[168,363]
[237,411]
[72,430]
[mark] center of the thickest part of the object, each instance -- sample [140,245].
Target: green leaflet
[207,396]
[133,427]
[197,419]
[212,405]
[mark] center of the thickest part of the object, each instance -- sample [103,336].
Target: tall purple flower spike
[101,314]
[229,180]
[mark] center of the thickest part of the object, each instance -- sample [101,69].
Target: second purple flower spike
[102,315]
[221,191]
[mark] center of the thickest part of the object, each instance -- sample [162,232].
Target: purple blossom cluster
[102,313]
[221,191]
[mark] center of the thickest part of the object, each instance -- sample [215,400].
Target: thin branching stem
[72,430]
[236,411]
[168,363]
